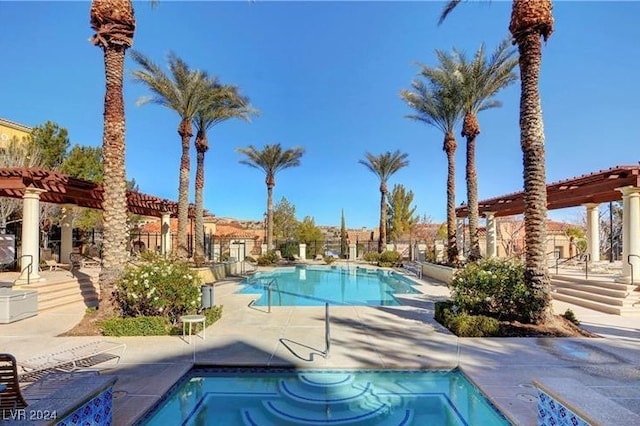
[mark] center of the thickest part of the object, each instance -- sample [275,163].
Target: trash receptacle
[207,296]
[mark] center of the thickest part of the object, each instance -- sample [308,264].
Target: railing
[327,330]
[28,268]
[578,256]
[269,285]
[631,265]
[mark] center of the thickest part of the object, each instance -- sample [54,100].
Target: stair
[600,295]
[61,290]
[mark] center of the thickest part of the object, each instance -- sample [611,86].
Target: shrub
[250,259]
[464,325]
[495,288]
[158,287]
[569,315]
[389,258]
[268,259]
[329,260]
[138,326]
[371,257]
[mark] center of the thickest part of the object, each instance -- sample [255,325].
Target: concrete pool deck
[362,337]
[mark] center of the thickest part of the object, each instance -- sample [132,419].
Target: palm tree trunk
[472,198]
[382,238]
[450,150]
[184,130]
[115,190]
[535,187]
[198,257]
[269,217]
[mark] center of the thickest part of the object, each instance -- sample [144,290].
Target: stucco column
[303,251]
[66,234]
[353,251]
[593,231]
[630,234]
[492,237]
[30,236]
[165,232]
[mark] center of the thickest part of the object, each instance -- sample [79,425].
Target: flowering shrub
[495,288]
[158,287]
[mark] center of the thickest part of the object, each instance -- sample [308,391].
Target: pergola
[590,190]
[33,185]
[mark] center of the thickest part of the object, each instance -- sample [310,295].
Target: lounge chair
[71,358]
[10,398]
[55,266]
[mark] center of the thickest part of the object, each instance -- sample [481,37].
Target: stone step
[559,280]
[600,298]
[598,306]
[591,289]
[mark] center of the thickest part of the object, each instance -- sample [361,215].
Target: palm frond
[447,10]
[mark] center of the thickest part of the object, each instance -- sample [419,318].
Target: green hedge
[464,325]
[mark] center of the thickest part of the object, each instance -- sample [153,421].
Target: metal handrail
[587,259]
[269,285]
[568,259]
[631,264]
[28,268]
[327,330]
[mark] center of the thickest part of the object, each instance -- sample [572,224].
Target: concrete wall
[219,271]
[438,272]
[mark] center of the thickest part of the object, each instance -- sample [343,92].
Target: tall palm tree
[530,21]
[185,92]
[271,159]
[114,24]
[383,166]
[480,79]
[436,101]
[223,103]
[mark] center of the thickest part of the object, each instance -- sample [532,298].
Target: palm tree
[383,166]
[114,24]
[436,102]
[531,20]
[224,102]
[271,159]
[185,92]
[480,80]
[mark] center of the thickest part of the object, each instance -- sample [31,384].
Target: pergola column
[165,234]
[593,231]
[492,236]
[630,234]
[30,236]
[66,234]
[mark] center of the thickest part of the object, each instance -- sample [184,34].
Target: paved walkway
[362,337]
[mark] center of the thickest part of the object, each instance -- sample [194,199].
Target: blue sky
[326,76]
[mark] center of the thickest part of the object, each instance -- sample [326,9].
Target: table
[193,319]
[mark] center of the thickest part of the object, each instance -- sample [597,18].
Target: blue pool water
[315,286]
[261,397]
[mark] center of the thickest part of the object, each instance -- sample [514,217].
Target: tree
[114,26]
[480,79]
[343,238]
[611,230]
[436,100]
[384,166]
[222,103]
[15,154]
[84,162]
[186,92]
[284,220]
[309,233]
[531,21]
[52,141]
[271,159]
[401,213]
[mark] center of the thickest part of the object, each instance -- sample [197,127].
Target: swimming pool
[315,286]
[264,397]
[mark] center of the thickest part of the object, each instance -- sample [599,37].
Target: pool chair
[10,396]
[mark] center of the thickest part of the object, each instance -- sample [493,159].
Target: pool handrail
[327,330]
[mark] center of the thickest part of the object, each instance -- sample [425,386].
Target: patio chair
[55,266]
[71,358]
[10,398]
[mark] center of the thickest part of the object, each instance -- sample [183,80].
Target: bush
[329,260]
[158,287]
[495,288]
[138,326]
[268,259]
[371,257]
[389,258]
[250,259]
[569,315]
[464,325]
